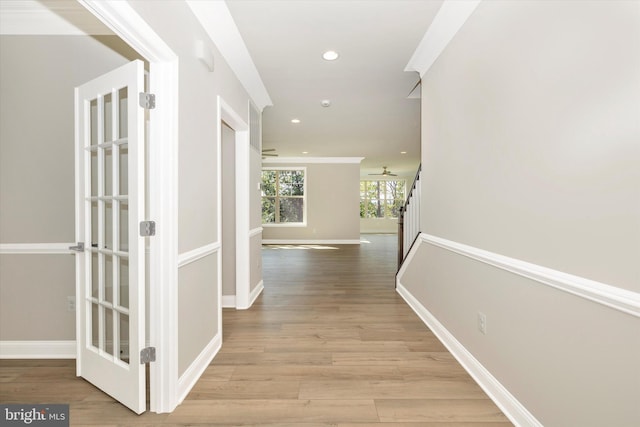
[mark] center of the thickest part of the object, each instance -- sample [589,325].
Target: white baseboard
[310,242]
[511,407]
[255,293]
[38,349]
[197,367]
[228,301]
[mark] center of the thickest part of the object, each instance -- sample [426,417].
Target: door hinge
[147,100]
[147,228]
[147,354]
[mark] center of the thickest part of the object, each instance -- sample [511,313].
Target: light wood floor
[329,343]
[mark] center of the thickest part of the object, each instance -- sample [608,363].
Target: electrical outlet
[71,303]
[482,323]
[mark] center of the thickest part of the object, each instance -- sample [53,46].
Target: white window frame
[304,197]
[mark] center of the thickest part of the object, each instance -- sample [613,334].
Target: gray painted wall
[333,204]
[530,150]
[37,79]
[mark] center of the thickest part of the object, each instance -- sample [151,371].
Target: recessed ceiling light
[330,55]
[296,121]
[305,152]
[403,152]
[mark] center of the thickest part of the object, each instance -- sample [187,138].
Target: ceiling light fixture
[325,102]
[295,121]
[403,152]
[330,55]
[305,152]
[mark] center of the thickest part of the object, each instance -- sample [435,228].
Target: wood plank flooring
[328,343]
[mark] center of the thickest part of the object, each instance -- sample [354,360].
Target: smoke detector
[325,102]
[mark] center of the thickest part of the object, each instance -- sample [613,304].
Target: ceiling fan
[267,152]
[385,172]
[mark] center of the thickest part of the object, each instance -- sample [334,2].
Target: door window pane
[94,171]
[123,290]
[108,330]
[95,325]
[124,226]
[122,113]
[108,113]
[93,121]
[123,326]
[108,172]
[108,225]
[123,178]
[95,274]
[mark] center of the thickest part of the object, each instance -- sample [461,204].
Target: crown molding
[313,160]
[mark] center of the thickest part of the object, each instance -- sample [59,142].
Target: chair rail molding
[613,297]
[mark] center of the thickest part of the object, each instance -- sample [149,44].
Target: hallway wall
[530,151]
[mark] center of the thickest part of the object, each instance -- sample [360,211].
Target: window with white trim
[381,198]
[283,196]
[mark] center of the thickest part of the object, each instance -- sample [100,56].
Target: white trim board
[193,373]
[310,242]
[38,349]
[610,296]
[197,253]
[228,301]
[36,248]
[215,18]
[312,160]
[255,293]
[446,24]
[255,232]
[511,407]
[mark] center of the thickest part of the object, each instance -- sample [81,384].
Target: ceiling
[371,114]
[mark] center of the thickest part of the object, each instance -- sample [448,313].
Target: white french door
[110,264]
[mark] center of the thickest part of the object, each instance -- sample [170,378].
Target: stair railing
[409,220]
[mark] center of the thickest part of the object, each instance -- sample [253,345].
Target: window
[283,196]
[381,199]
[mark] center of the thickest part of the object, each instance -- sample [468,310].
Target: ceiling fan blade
[385,172]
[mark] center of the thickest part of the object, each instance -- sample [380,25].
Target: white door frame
[125,22]
[242,174]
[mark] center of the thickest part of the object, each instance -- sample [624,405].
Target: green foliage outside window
[282,196]
[381,199]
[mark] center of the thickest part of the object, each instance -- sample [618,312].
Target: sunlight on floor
[319,247]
